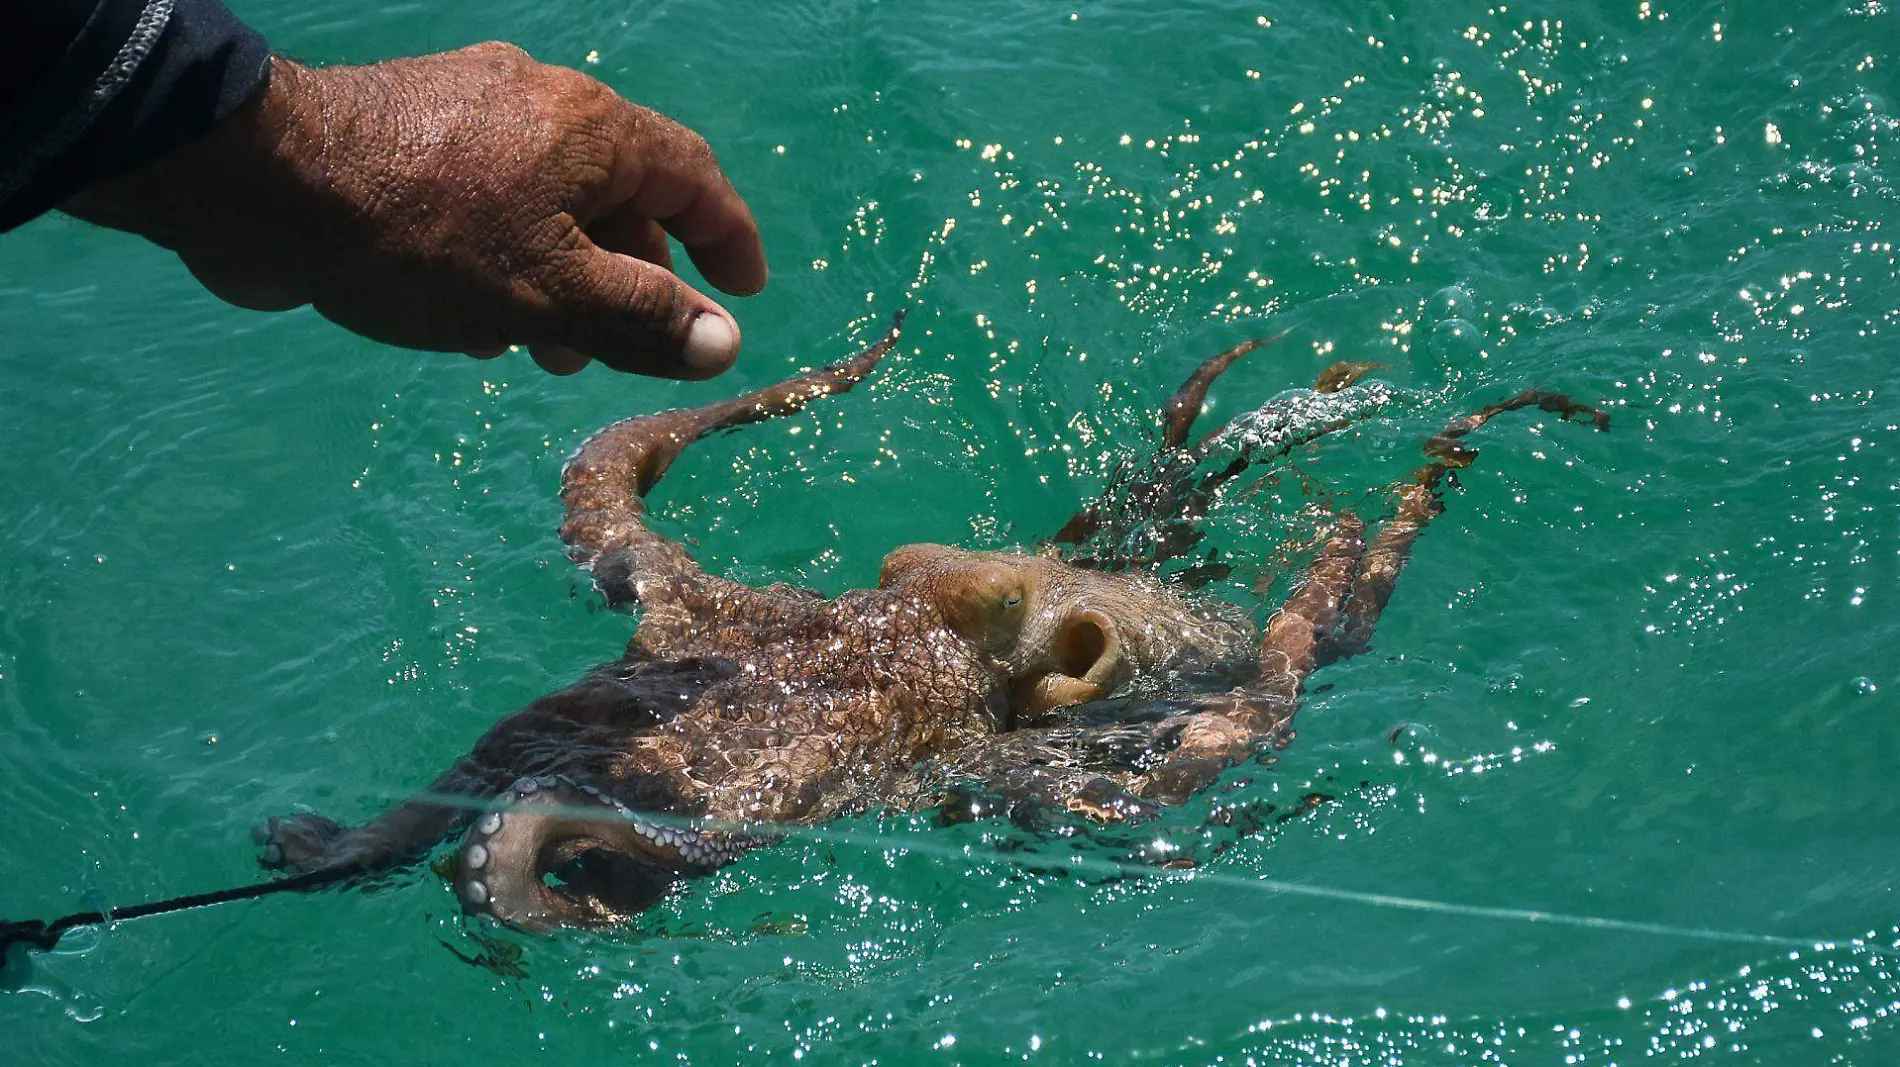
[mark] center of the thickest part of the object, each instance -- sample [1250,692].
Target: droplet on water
[1863,685]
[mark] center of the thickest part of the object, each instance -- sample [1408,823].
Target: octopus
[1076,679]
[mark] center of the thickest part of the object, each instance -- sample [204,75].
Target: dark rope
[44,935]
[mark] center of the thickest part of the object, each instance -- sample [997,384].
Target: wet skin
[735,710]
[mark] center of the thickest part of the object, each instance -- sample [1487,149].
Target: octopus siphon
[737,711]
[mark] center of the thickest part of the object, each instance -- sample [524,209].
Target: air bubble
[1453,302]
[1454,328]
[1862,686]
[1456,342]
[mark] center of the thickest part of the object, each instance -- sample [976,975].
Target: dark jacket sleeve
[92,88]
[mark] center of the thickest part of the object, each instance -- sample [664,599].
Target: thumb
[242,285]
[634,316]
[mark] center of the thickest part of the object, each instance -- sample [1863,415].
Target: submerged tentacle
[610,861]
[1276,428]
[1112,761]
[1177,420]
[603,486]
[1330,615]
[307,843]
[1230,727]
[1155,516]
[1419,503]
[1185,406]
[1261,445]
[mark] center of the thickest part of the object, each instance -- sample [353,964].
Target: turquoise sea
[1617,785]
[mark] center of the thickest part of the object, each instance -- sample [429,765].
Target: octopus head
[1063,635]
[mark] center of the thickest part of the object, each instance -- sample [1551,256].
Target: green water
[1642,804]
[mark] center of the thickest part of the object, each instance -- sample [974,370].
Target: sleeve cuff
[142,78]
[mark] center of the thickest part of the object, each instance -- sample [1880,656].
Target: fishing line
[1263,883]
[45,934]
[921,845]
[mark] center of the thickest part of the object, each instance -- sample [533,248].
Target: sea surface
[1616,785]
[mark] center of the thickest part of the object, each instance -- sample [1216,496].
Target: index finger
[666,172]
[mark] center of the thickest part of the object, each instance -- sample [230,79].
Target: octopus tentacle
[612,861]
[1184,531]
[603,486]
[1081,764]
[1114,760]
[1419,503]
[1330,615]
[306,843]
[1333,613]
[1184,407]
[1153,515]
[1230,727]
[1177,419]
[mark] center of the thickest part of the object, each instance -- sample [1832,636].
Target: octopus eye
[1013,600]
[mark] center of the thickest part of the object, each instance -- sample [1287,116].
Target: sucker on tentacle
[617,862]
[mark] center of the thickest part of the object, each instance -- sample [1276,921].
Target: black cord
[44,935]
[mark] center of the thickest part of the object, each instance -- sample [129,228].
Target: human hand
[465,201]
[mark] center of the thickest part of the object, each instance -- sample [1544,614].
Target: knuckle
[638,118]
[557,273]
[496,49]
[695,147]
[651,295]
[582,93]
[625,297]
[687,145]
[655,129]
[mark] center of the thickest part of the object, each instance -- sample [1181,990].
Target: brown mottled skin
[735,708]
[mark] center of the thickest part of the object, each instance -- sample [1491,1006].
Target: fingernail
[711,344]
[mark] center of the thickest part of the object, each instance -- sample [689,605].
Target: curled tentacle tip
[1344,373]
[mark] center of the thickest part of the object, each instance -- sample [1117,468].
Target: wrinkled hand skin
[963,678]
[462,202]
